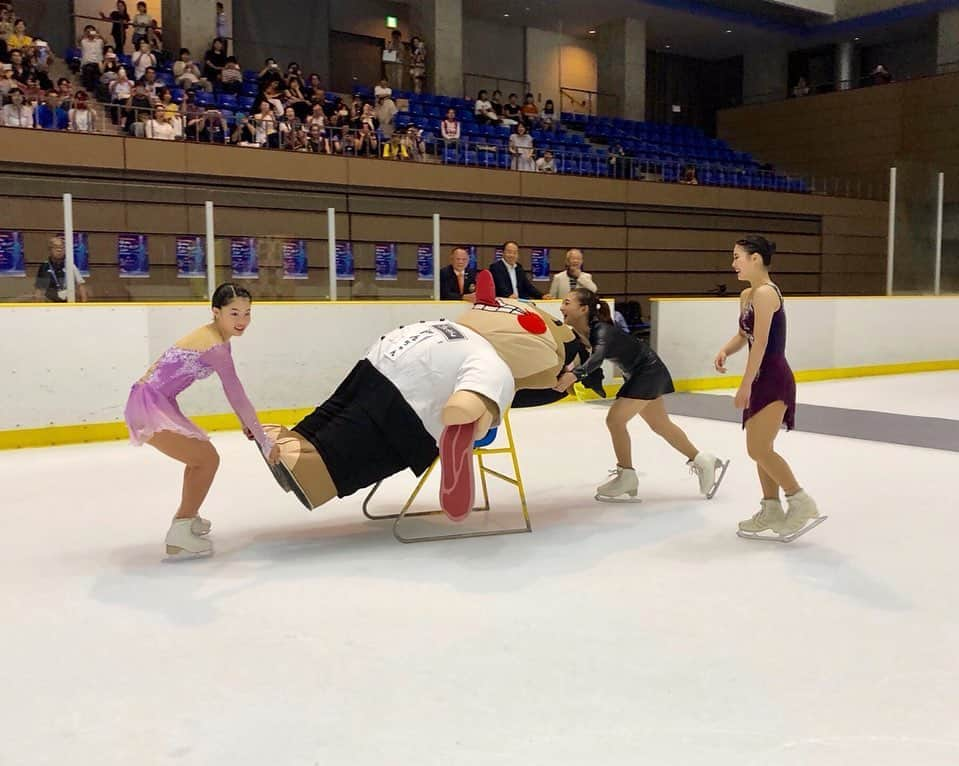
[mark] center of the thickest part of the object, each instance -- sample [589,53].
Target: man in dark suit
[510,278]
[458,280]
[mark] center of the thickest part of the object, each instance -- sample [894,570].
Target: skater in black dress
[647,381]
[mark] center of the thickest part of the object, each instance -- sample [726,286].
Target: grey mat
[911,430]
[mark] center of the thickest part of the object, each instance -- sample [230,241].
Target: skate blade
[287,480]
[174,553]
[604,499]
[718,480]
[774,538]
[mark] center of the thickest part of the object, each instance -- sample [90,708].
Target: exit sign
[391,22]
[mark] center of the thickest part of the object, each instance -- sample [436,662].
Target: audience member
[512,113]
[396,148]
[366,144]
[385,113]
[91,57]
[382,88]
[801,88]
[316,128]
[269,73]
[292,132]
[497,101]
[121,91]
[244,132]
[142,59]
[689,176]
[546,163]
[51,282]
[65,93]
[231,78]
[880,75]
[82,118]
[530,111]
[50,115]
[510,278]
[139,109]
[264,123]
[450,127]
[187,73]
[521,148]
[16,114]
[21,69]
[18,39]
[314,87]
[418,64]
[151,84]
[295,97]
[215,60]
[7,83]
[566,281]
[120,19]
[458,280]
[33,92]
[159,126]
[393,60]
[483,109]
[142,22]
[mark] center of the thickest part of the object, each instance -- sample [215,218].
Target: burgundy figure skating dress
[774,382]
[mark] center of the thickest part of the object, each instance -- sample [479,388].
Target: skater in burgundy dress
[767,395]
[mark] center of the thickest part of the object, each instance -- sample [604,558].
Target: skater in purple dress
[767,395]
[153,417]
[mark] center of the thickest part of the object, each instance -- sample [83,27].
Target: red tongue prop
[485,290]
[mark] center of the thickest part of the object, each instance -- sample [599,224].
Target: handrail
[590,105]
[484,78]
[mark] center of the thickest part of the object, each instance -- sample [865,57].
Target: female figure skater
[767,395]
[647,381]
[153,417]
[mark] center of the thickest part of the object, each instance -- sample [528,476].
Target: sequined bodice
[176,369]
[776,344]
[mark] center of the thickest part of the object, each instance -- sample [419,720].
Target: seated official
[458,280]
[510,278]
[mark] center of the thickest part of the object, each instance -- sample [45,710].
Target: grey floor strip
[911,430]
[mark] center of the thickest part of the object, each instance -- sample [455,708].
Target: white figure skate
[200,526]
[624,482]
[771,518]
[183,543]
[710,470]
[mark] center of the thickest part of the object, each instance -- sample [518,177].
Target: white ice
[641,634]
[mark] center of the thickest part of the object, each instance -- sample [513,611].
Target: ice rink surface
[614,634]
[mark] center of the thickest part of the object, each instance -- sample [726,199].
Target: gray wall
[50,21]
[494,49]
[368,17]
[285,31]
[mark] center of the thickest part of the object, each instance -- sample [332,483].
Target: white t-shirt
[429,361]
[91,51]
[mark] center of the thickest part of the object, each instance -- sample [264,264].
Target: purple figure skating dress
[152,405]
[774,382]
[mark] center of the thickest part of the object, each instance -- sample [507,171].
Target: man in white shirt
[16,114]
[91,57]
[573,277]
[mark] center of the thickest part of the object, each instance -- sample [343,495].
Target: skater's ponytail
[598,308]
[755,243]
[228,292]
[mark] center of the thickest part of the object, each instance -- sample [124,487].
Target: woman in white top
[82,118]
[142,59]
[521,147]
[483,109]
[160,126]
[16,114]
[264,125]
[450,127]
[121,90]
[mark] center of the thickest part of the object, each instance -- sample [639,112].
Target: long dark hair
[755,243]
[228,292]
[598,308]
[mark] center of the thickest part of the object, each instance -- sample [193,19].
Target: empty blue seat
[227,101]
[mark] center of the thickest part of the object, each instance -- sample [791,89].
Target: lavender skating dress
[774,382]
[152,405]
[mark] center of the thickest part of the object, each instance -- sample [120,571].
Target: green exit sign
[391,22]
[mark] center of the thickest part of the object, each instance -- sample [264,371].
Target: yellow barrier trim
[51,436]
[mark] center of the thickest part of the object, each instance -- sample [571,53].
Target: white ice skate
[802,516]
[624,482]
[200,526]
[183,543]
[710,470]
[771,518]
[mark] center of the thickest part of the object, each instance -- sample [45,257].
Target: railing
[589,102]
[474,82]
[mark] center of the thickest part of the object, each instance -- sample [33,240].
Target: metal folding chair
[481,450]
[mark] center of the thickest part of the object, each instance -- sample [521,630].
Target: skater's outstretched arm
[220,359]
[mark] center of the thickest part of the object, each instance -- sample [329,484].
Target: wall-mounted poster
[345,268]
[81,252]
[11,254]
[295,265]
[424,263]
[190,257]
[498,254]
[132,256]
[243,257]
[471,249]
[539,264]
[385,260]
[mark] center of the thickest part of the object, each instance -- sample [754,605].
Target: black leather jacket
[609,342]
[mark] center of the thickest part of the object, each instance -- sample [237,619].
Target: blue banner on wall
[81,252]
[243,257]
[471,249]
[386,266]
[424,263]
[132,256]
[190,257]
[295,265]
[539,264]
[498,254]
[11,254]
[344,261]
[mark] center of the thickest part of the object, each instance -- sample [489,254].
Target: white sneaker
[200,526]
[710,470]
[770,516]
[181,541]
[625,482]
[802,508]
